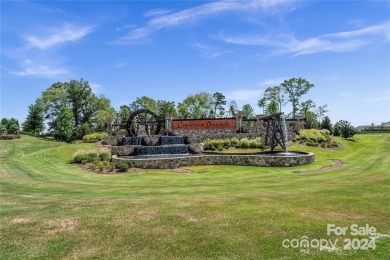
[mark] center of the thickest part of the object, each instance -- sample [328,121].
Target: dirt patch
[388,139]
[4,173]
[147,215]
[62,225]
[336,164]
[20,220]
[188,217]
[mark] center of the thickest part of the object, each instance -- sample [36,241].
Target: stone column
[239,123]
[168,124]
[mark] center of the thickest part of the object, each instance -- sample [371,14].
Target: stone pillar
[239,122]
[168,124]
[300,123]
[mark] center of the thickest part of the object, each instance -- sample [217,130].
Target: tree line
[71,110]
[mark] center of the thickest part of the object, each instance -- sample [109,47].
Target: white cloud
[244,94]
[57,35]
[272,82]
[210,52]
[162,19]
[39,69]
[156,12]
[334,42]
[96,88]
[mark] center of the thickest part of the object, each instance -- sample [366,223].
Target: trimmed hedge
[220,144]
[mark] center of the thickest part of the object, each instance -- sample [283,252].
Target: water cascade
[170,146]
[132,140]
[285,138]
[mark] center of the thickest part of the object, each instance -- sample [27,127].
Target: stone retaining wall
[242,159]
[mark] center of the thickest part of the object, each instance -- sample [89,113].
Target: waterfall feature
[170,145]
[285,138]
[132,140]
[167,140]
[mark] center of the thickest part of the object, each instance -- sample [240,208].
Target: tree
[311,120]
[124,113]
[196,106]
[144,102]
[218,104]
[76,97]
[34,122]
[326,124]
[275,94]
[336,129]
[3,129]
[305,107]
[247,111]
[346,129]
[105,114]
[10,126]
[233,108]
[295,88]
[81,100]
[13,126]
[166,108]
[64,125]
[272,108]
[321,111]
[262,103]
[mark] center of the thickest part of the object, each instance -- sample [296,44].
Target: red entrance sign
[204,124]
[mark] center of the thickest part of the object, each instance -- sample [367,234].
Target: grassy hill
[53,209]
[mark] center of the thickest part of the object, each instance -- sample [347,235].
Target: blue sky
[169,49]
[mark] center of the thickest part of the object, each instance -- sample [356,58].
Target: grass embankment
[52,209]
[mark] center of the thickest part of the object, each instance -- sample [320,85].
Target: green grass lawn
[53,209]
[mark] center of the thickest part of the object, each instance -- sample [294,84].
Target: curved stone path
[336,164]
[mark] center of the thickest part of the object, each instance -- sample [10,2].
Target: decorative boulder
[196,148]
[112,140]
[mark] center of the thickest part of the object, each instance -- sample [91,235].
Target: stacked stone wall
[207,159]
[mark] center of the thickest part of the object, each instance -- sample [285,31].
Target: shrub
[110,167]
[227,143]
[8,137]
[122,166]
[91,156]
[311,134]
[235,142]
[94,137]
[252,143]
[105,154]
[100,166]
[220,148]
[244,143]
[79,157]
[325,131]
[311,143]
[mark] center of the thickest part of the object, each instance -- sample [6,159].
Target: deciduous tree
[295,88]
[34,122]
[196,106]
